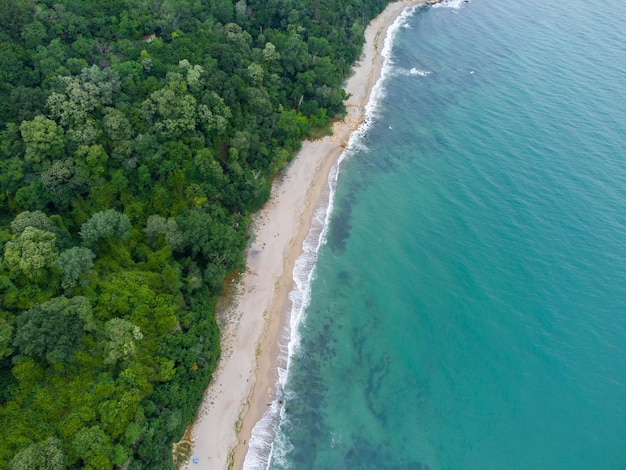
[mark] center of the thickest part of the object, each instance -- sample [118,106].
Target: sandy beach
[252,326]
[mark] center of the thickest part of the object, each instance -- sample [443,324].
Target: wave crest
[454,4]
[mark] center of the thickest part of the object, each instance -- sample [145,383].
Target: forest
[136,138]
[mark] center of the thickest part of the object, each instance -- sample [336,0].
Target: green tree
[92,449]
[14,14]
[213,114]
[194,75]
[73,263]
[13,59]
[116,125]
[157,225]
[93,158]
[117,414]
[122,338]
[105,224]
[27,102]
[294,54]
[6,335]
[171,111]
[48,455]
[87,132]
[35,219]
[105,79]
[64,180]
[43,138]
[83,95]
[30,252]
[33,196]
[53,330]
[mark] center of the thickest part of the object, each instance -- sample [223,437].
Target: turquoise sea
[468,307]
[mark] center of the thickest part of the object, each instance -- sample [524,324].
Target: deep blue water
[469,307]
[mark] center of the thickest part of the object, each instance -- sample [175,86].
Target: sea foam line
[454,4]
[261,448]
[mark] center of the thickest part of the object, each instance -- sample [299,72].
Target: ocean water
[467,306]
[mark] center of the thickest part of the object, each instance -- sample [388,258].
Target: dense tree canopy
[135,140]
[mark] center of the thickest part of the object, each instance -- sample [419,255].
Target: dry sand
[251,328]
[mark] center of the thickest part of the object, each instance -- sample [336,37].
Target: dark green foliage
[129,166]
[6,335]
[53,330]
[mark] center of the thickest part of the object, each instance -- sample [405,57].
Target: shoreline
[244,382]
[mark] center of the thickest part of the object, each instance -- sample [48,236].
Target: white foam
[264,446]
[419,73]
[415,72]
[455,4]
[261,440]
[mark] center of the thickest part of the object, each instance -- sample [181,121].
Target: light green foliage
[43,138]
[157,225]
[164,314]
[53,330]
[255,72]
[117,126]
[84,133]
[105,79]
[93,158]
[194,75]
[126,294]
[122,337]
[30,252]
[91,445]
[116,415]
[73,263]
[241,11]
[74,106]
[171,111]
[137,376]
[213,113]
[105,224]
[270,54]
[94,88]
[35,219]
[48,455]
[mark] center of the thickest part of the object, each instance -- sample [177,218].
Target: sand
[251,327]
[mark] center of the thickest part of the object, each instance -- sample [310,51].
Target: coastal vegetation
[136,138]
